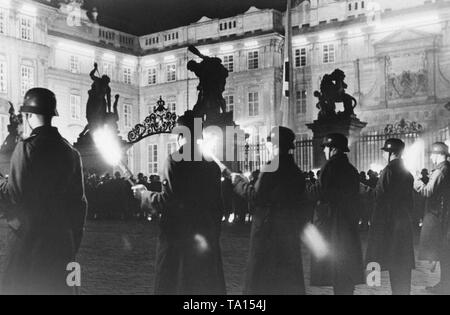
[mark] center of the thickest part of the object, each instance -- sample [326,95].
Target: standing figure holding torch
[337,217]
[189,258]
[435,236]
[275,263]
[45,202]
[391,234]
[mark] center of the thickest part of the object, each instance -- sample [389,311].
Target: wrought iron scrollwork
[403,127]
[161,121]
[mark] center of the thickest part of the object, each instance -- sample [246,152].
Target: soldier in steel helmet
[391,233]
[336,217]
[435,235]
[45,202]
[188,258]
[281,212]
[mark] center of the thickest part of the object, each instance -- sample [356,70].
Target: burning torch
[110,149]
[207,148]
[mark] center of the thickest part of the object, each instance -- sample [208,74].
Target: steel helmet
[440,148]
[283,136]
[394,146]
[337,141]
[40,101]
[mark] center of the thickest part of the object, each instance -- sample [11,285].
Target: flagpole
[288,100]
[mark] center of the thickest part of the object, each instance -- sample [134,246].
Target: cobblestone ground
[118,258]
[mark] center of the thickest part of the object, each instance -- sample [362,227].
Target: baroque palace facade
[395,53]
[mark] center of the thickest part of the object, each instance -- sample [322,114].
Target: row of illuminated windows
[75,109]
[171,36]
[170,70]
[223,26]
[107,68]
[356,5]
[328,55]
[253,104]
[26,25]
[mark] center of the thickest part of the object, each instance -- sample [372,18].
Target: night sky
[142,17]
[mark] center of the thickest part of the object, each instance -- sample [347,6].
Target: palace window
[253,60]
[127,116]
[300,58]
[228,25]
[3,77]
[75,107]
[130,158]
[26,78]
[26,28]
[108,69]
[301,102]
[229,101]
[329,53]
[74,64]
[151,76]
[171,148]
[171,71]
[228,63]
[253,104]
[4,122]
[153,159]
[3,21]
[127,75]
[171,104]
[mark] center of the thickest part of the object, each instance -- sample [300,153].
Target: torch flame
[315,242]
[414,156]
[107,144]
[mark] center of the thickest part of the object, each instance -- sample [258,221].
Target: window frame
[152,75]
[127,73]
[74,64]
[75,105]
[301,101]
[29,83]
[253,104]
[227,63]
[301,57]
[327,53]
[252,60]
[3,77]
[152,158]
[127,115]
[26,31]
[171,72]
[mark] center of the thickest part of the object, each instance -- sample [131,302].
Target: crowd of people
[111,197]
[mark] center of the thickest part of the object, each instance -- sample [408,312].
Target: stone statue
[212,75]
[99,102]
[112,118]
[332,91]
[14,130]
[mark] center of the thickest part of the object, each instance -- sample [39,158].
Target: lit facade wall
[395,54]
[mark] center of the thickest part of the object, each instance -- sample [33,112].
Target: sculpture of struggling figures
[99,102]
[112,118]
[332,91]
[15,130]
[212,75]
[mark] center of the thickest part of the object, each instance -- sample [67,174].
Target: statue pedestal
[92,157]
[350,127]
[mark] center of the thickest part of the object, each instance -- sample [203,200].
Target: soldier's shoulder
[29,139]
